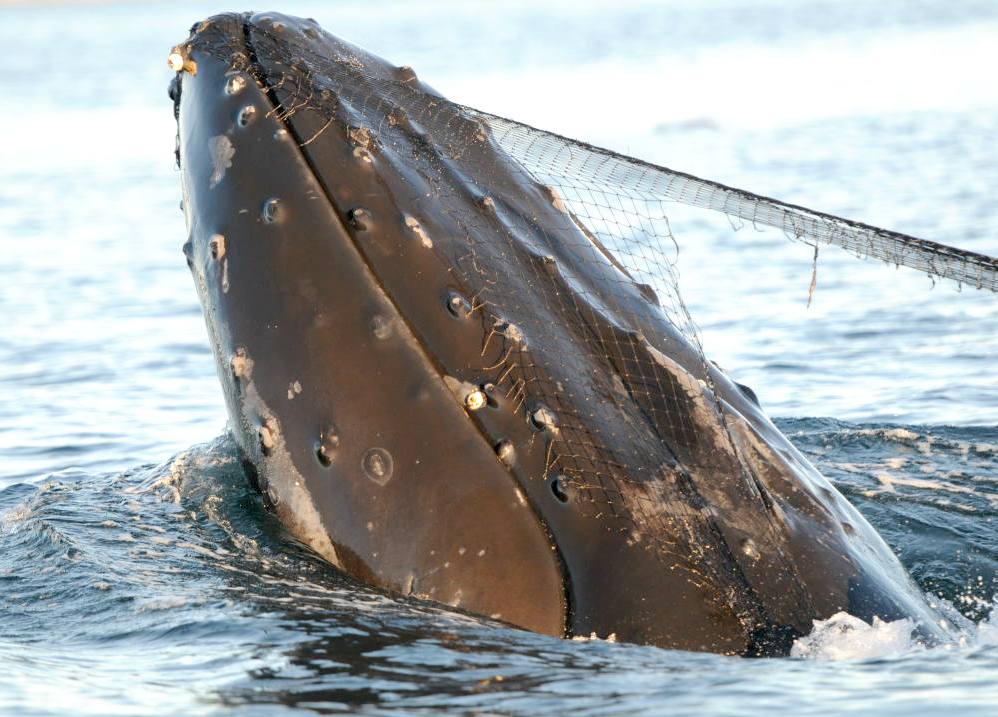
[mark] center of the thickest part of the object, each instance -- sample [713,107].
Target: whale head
[459,379]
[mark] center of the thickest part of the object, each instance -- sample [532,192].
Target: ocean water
[139,575]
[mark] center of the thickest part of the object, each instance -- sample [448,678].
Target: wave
[174,580]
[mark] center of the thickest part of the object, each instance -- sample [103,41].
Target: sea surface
[139,575]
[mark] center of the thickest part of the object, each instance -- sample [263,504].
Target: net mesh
[614,180]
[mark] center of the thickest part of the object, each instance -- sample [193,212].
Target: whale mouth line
[259,71]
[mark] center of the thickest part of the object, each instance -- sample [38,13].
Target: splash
[844,637]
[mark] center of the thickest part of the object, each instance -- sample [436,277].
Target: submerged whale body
[451,387]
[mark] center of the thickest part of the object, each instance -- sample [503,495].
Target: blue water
[140,575]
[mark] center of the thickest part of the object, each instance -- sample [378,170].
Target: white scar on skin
[221,151]
[285,485]
[416,228]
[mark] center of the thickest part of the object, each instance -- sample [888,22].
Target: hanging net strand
[635,190]
[559,157]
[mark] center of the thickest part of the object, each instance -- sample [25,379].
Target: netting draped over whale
[572,162]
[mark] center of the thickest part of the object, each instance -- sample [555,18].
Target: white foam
[593,637]
[984,633]
[163,603]
[845,637]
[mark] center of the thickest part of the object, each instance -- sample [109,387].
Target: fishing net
[612,180]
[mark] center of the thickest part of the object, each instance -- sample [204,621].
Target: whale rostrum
[460,375]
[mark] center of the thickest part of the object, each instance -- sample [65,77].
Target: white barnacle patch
[285,485]
[268,435]
[511,331]
[179,60]
[360,136]
[543,418]
[468,394]
[234,84]
[221,151]
[475,399]
[246,115]
[363,155]
[176,61]
[353,61]
[556,200]
[294,389]
[749,548]
[416,228]
[242,364]
[217,245]
[225,276]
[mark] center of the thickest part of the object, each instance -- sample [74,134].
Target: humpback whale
[458,379]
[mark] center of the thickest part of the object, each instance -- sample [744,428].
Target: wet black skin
[360,286]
